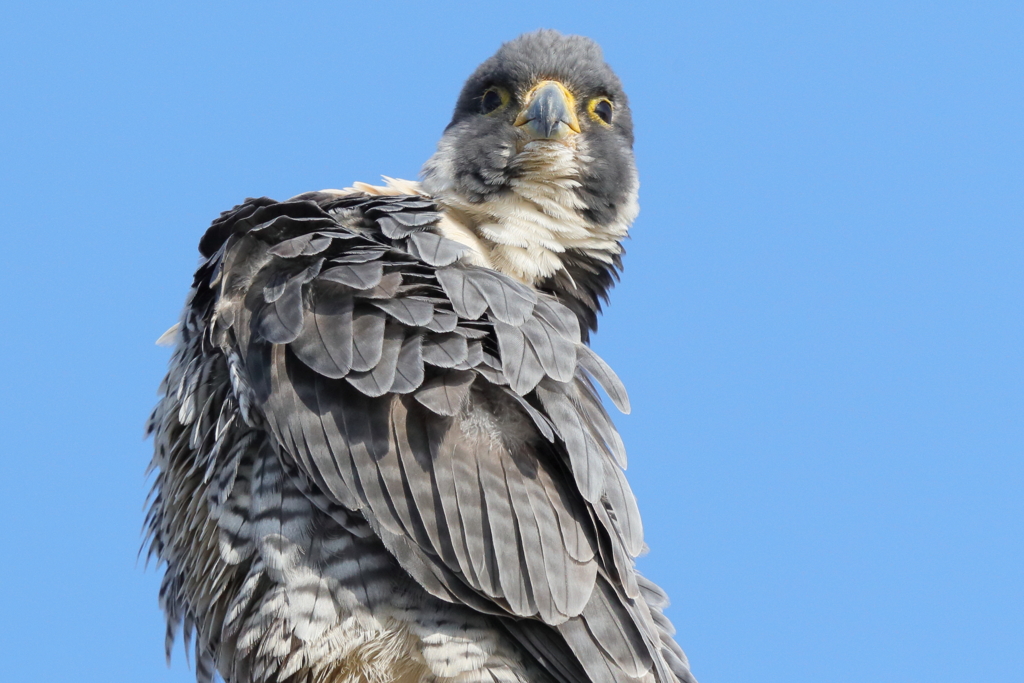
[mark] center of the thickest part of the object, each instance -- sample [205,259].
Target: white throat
[525,232]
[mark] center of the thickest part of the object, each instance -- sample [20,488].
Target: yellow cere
[565,93]
[570,101]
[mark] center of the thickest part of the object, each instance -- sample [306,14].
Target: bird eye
[601,109]
[493,99]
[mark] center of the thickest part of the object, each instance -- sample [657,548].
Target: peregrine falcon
[380,450]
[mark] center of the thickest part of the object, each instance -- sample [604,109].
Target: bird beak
[550,112]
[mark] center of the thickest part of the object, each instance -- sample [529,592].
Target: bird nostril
[549,113]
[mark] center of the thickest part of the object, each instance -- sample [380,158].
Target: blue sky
[820,321]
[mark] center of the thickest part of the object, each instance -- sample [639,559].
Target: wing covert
[452,406]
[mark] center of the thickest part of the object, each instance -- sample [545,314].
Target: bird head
[538,159]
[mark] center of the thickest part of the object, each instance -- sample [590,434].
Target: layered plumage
[380,450]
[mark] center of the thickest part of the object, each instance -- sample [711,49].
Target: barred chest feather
[291,586]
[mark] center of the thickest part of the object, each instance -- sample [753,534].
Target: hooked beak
[550,112]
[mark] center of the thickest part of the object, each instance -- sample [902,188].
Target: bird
[381,452]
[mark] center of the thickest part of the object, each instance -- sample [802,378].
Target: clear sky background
[820,321]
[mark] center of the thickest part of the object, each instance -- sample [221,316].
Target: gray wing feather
[627,514]
[557,354]
[577,537]
[474,356]
[539,419]
[304,245]
[360,254]
[447,393]
[477,537]
[608,621]
[416,470]
[409,370]
[446,403]
[357,275]
[562,586]
[519,361]
[559,317]
[466,299]
[600,423]
[600,371]
[325,450]
[444,453]
[325,343]
[407,310]
[509,301]
[445,350]
[550,650]
[443,321]
[378,381]
[280,320]
[585,455]
[504,537]
[434,249]
[367,338]
[387,288]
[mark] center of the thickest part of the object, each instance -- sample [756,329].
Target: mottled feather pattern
[378,462]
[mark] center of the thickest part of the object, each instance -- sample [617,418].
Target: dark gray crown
[576,61]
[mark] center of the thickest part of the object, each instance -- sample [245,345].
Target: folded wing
[450,405]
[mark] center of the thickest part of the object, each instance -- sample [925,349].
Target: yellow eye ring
[601,110]
[494,99]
